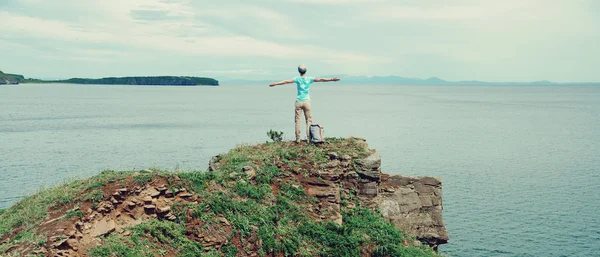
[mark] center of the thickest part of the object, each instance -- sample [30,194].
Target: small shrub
[291,191]
[337,240]
[169,233]
[117,246]
[142,179]
[229,251]
[42,241]
[24,235]
[267,174]
[95,196]
[197,180]
[344,203]
[180,210]
[267,235]
[64,199]
[252,191]
[276,136]
[241,223]
[96,184]
[223,204]
[74,213]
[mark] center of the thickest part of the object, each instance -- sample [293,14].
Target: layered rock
[412,204]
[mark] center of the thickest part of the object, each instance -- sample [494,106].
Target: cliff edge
[10,78]
[278,199]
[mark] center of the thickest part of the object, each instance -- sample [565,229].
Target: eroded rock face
[414,205]
[369,175]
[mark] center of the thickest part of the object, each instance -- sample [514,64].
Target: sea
[520,165]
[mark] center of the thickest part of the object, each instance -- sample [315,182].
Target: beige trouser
[303,106]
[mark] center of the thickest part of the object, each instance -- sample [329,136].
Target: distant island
[150,81]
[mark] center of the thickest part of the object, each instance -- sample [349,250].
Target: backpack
[316,133]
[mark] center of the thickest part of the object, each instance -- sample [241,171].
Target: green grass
[34,208]
[197,181]
[149,239]
[118,246]
[292,191]
[73,213]
[229,251]
[142,179]
[94,196]
[267,174]
[96,184]
[288,153]
[256,192]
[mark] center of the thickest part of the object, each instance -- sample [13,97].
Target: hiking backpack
[316,133]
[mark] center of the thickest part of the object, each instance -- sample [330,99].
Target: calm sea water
[520,164]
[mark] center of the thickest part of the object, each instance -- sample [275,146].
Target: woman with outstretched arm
[303,84]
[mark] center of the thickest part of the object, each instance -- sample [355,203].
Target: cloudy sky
[508,40]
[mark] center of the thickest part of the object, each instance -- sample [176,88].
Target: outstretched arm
[326,80]
[289,81]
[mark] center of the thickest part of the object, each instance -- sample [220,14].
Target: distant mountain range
[397,80]
[430,81]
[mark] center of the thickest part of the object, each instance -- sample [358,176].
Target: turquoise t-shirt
[303,86]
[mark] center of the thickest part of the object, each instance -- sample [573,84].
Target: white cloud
[115,26]
[332,2]
[237,72]
[451,39]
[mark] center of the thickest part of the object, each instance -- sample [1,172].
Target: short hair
[302,68]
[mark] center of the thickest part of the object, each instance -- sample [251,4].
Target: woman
[303,84]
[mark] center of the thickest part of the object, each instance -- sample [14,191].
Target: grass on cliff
[268,212]
[278,220]
[291,156]
[30,210]
[140,243]
[19,223]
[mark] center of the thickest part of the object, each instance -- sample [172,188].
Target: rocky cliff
[412,204]
[277,199]
[9,78]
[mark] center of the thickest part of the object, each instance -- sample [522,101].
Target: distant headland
[147,81]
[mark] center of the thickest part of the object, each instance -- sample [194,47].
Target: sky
[489,40]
